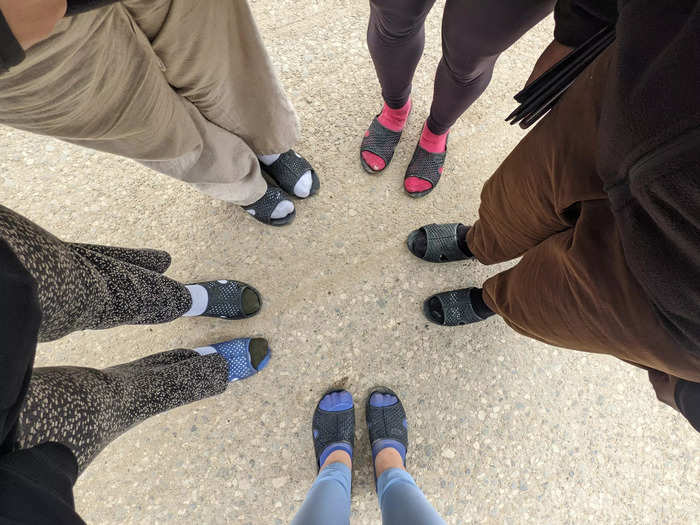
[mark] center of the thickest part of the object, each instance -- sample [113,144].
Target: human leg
[85,409]
[395,38]
[333,432]
[400,499]
[83,286]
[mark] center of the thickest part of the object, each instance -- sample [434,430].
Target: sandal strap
[425,165]
[442,245]
[457,307]
[266,204]
[288,169]
[381,141]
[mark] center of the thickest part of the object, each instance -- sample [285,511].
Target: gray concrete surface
[503,429]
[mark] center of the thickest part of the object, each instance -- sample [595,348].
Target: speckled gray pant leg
[84,286]
[84,409]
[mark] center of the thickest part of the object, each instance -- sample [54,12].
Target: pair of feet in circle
[383,136]
[231,300]
[440,243]
[333,429]
[292,175]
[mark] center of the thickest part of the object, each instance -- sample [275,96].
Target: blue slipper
[245,356]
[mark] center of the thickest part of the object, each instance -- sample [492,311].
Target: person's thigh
[474,31]
[575,290]
[534,191]
[97,82]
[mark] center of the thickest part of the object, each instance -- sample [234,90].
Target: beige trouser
[183,87]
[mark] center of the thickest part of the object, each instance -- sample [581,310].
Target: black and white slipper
[230,299]
[262,208]
[288,169]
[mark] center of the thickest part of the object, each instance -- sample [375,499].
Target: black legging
[474,34]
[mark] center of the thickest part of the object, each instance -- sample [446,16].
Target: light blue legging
[400,499]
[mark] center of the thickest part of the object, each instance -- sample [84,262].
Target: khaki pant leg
[97,82]
[214,56]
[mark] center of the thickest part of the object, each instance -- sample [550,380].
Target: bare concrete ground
[503,429]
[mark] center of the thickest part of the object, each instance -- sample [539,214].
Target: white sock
[269,159]
[200,300]
[282,209]
[205,350]
[303,186]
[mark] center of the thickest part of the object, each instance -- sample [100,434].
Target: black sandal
[382,142]
[288,169]
[452,308]
[427,166]
[333,425]
[262,208]
[442,243]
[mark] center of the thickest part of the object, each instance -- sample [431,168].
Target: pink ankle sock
[431,143]
[393,119]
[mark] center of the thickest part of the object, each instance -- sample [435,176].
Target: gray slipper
[452,308]
[442,244]
[382,142]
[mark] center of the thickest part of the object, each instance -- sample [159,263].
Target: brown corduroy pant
[185,88]
[572,288]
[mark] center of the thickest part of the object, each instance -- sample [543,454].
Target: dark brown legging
[474,34]
[572,287]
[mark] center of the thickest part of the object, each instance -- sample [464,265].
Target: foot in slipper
[426,166]
[457,307]
[274,207]
[223,299]
[440,242]
[245,357]
[333,429]
[382,137]
[292,172]
[388,430]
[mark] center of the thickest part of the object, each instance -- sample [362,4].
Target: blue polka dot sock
[245,356]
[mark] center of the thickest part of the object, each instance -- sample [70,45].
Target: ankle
[395,119]
[433,142]
[387,458]
[338,456]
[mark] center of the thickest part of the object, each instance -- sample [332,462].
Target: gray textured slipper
[442,244]
[452,308]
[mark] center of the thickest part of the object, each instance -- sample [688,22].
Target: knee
[466,71]
[394,26]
